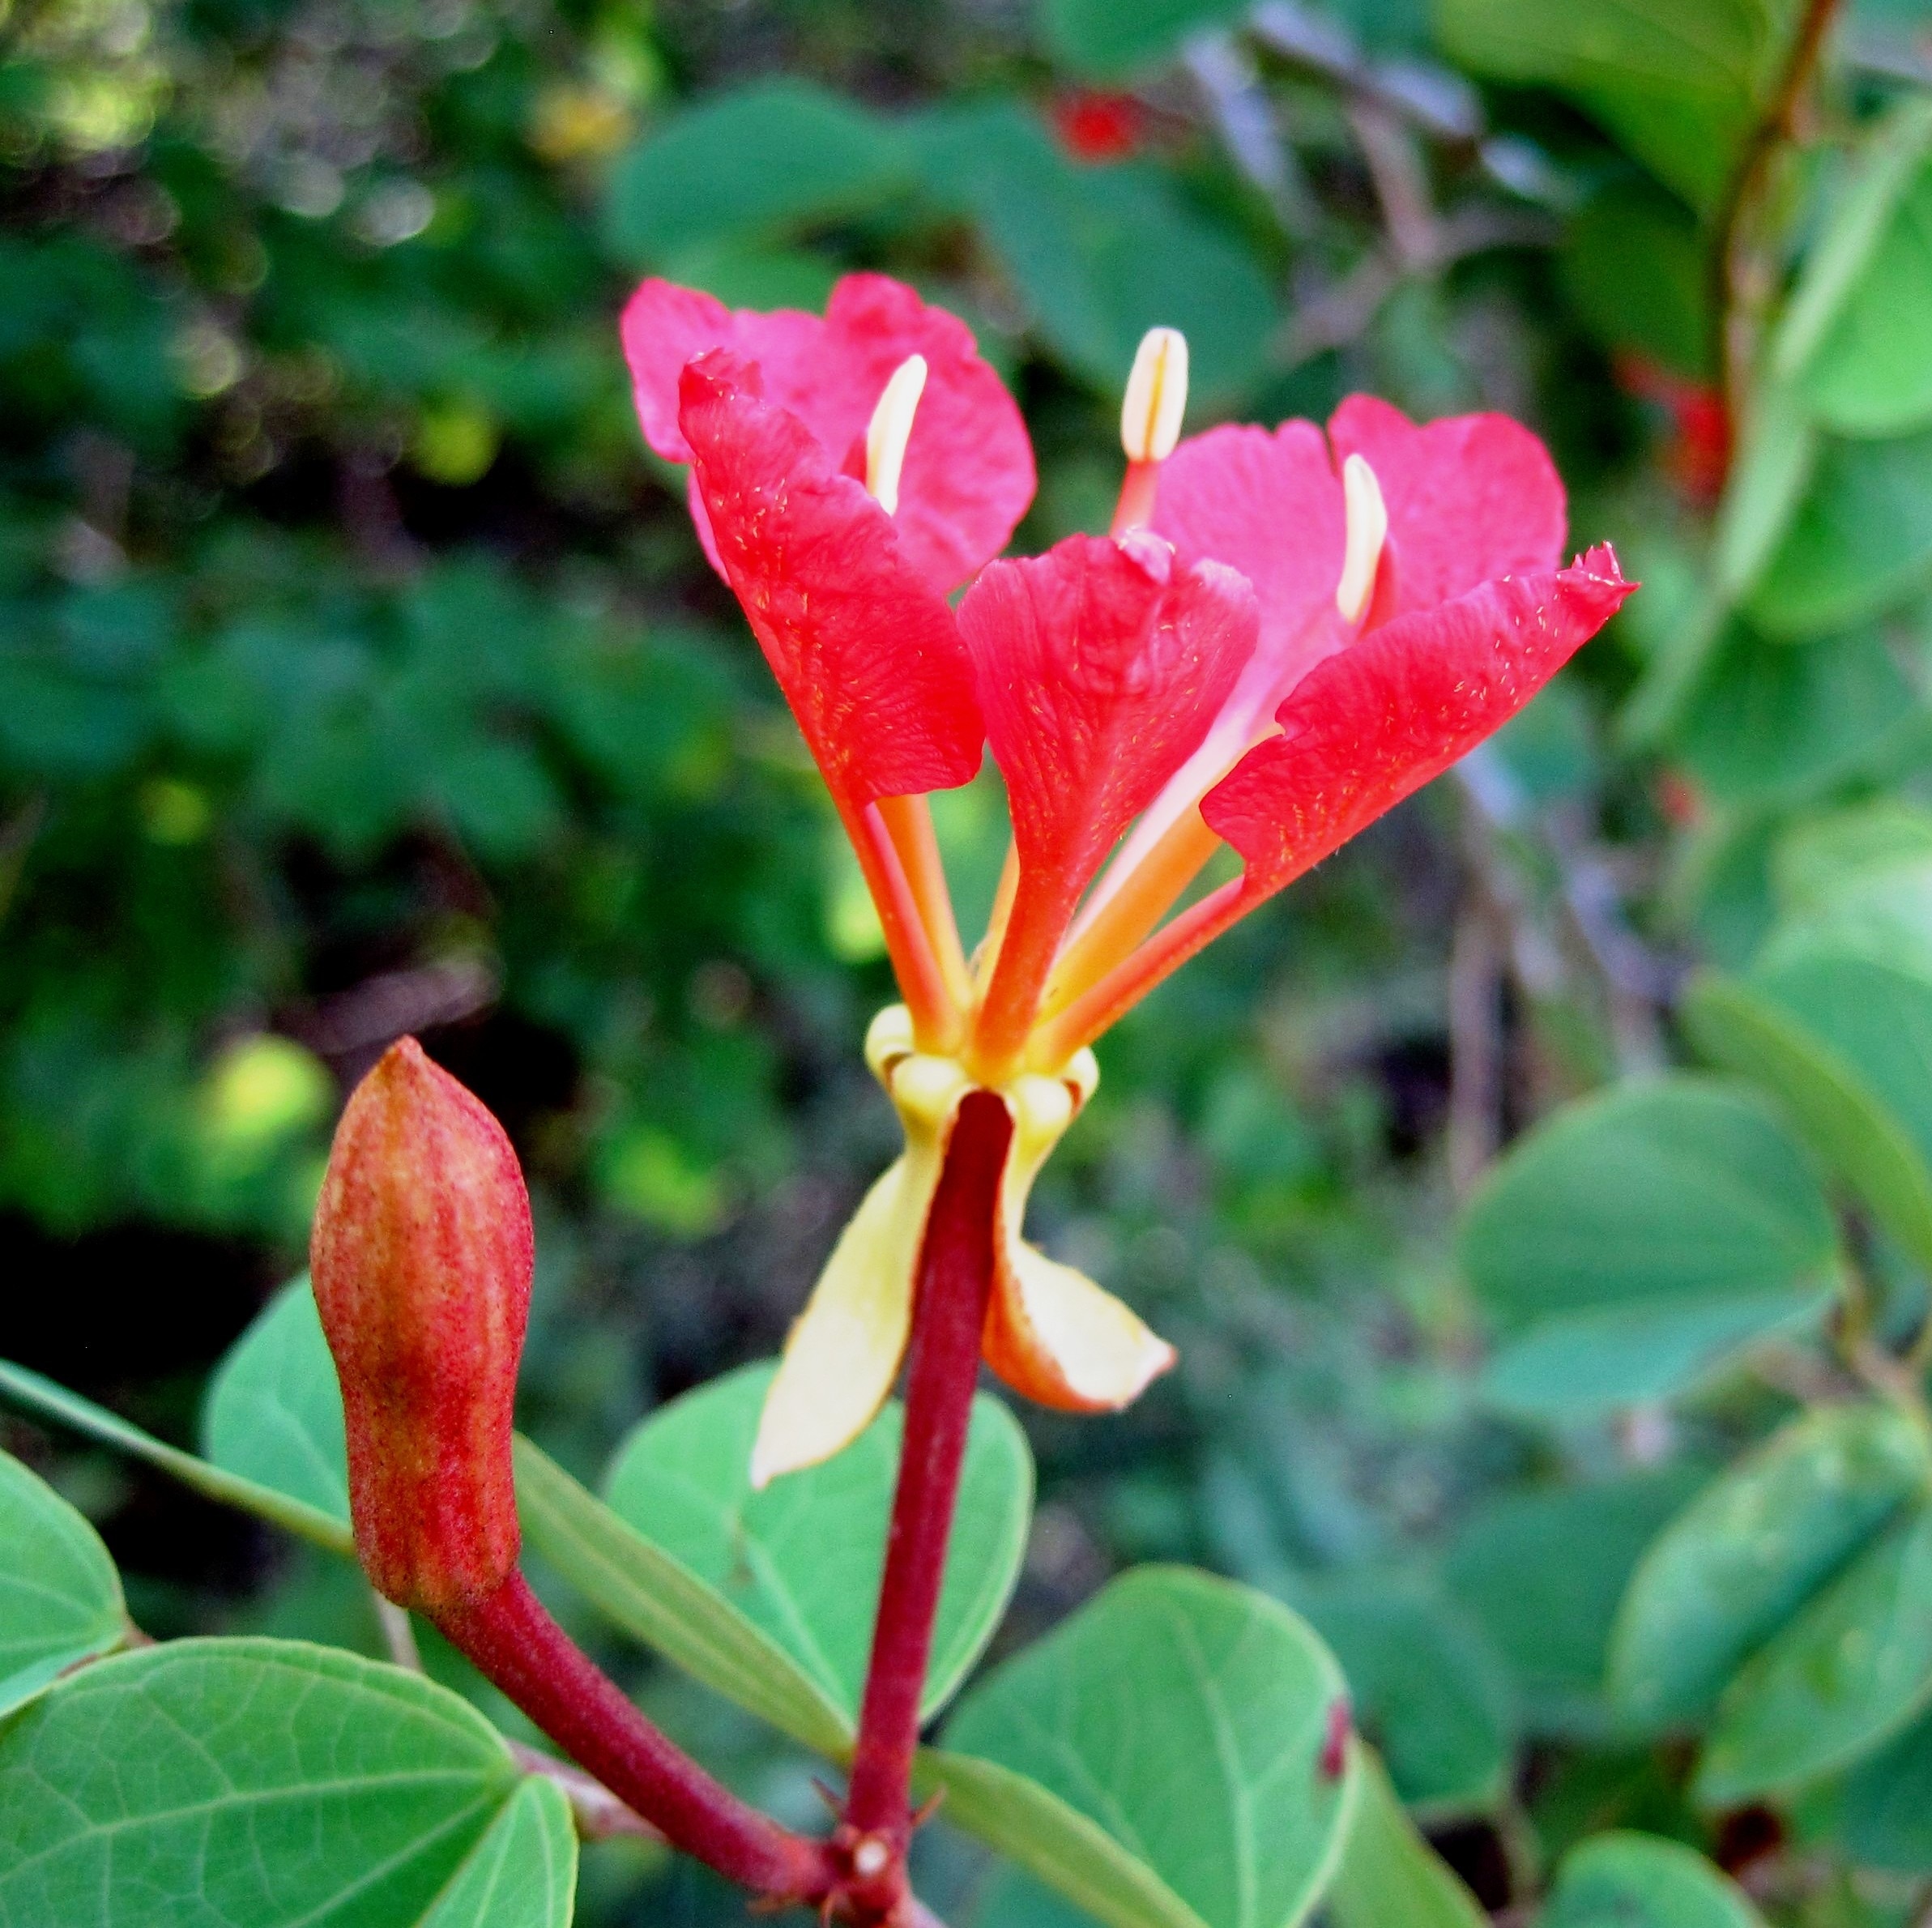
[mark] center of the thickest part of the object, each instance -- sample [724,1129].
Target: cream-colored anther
[1368,530]
[1157,396]
[890,430]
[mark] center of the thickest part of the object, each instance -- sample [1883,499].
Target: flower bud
[421,1257]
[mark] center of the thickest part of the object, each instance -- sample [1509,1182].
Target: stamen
[890,430]
[1368,530]
[909,824]
[1157,396]
[1142,898]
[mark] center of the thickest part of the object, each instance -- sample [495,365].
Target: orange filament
[909,824]
[936,1018]
[1145,895]
[1104,1003]
[1034,926]
[1135,510]
[987,958]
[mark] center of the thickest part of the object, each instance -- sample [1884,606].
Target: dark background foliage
[359,674]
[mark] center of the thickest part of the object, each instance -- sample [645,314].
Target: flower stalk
[515,1644]
[955,1284]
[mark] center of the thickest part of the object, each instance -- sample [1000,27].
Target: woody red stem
[955,1283]
[513,1642]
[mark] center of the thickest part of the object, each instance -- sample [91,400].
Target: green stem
[47,1401]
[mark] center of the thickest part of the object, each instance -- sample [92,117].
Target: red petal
[868,653]
[968,475]
[1101,665]
[1471,498]
[1371,725]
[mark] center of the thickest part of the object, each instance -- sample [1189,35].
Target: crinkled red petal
[1101,664]
[1471,498]
[968,475]
[1372,725]
[867,652]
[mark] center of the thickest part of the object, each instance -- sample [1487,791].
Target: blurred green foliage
[359,673]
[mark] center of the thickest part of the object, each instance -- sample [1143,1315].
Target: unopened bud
[890,430]
[421,1258]
[1368,530]
[1157,396]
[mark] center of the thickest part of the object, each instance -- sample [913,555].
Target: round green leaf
[802,1559]
[1852,1668]
[1110,42]
[60,1597]
[1778,720]
[763,161]
[1633,263]
[269,1783]
[1621,1880]
[1160,1757]
[1861,541]
[1541,1572]
[274,1410]
[1678,82]
[1885,1805]
[1740,1563]
[1872,372]
[1100,254]
[1426,1690]
[522,1873]
[1887,166]
[1389,1876]
[1836,1018]
[1639,1237]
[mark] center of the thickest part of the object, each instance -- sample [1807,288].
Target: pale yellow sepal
[1053,1334]
[843,1351]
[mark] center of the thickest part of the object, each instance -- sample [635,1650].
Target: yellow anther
[890,430]
[1157,396]
[1368,530]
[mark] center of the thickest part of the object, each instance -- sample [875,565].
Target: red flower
[1284,635]
[1096,126]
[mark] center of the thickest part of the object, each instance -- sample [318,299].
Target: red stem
[955,1282]
[513,1639]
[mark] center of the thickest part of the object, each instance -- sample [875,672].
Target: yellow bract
[1052,1333]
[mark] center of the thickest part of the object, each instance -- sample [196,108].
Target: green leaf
[1861,541]
[45,1400]
[752,165]
[1637,1238]
[1679,83]
[1766,483]
[60,1597]
[1743,1028]
[1848,330]
[1774,722]
[522,1873]
[1100,254]
[1622,1880]
[1852,1668]
[1389,1876]
[1634,263]
[1425,1688]
[267,1782]
[1885,1804]
[1108,41]
[1159,1757]
[1541,1573]
[1822,857]
[639,1587]
[274,1410]
[1744,1557]
[802,1559]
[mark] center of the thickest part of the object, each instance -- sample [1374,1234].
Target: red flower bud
[421,1259]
